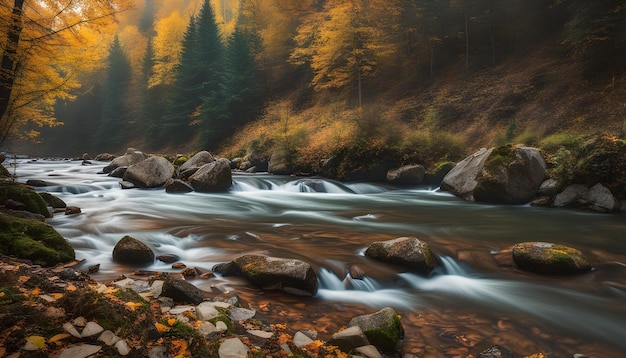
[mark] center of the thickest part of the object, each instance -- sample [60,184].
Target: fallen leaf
[36,291]
[56,296]
[132,305]
[171,321]
[161,327]
[179,348]
[70,288]
[2,295]
[37,341]
[59,337]
[23,278]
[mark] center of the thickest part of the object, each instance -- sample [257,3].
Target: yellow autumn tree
[45,44]
[167,46]
[346,41]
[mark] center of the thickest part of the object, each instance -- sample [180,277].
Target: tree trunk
[9,65]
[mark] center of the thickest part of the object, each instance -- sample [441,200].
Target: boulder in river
[212,177]
[549,258]
[132,251]
[181,291]
[503,175]
[131,157]
[409,252]
[177,186]
[290,275]
[383,329]
[597,198]
[194,163]
[150,173]
[53,201]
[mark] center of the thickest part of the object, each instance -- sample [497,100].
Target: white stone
[207,328]
[157,288]
[233,348]
[369,352]
[259,333]
[79,321]
[300,339]
[109,338]
[91,329]
[80,351]
[221,326]
[125,283]
[241,314]
[47,298]
[69,328]
[205,311]
[122,347]
[181,309]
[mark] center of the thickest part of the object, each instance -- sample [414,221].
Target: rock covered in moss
[290,275]
[549,258]
[383,329]
[25,195]
[409,252]
[133,252]
[53,201]
[33,240]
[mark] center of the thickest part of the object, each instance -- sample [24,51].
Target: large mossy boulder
[602,159]
[150,173]
[32,201]
[273,273]
[383,329]
[549,258]
[212,177]
[33,240]
[409,252]
[132,252]
[503,175]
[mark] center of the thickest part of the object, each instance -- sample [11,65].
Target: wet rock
[290,275]
[435,177]
[37,183]
[548,258]
[406,175]
[194,163]
[131,157]
[503,175]
[495,351]
[53,200]
[212,177]
[72,210]
[127,185]
[548,188]
[177,186]
[132,251]
[383,329]
[181,291]
[232,348]
[25,195]
[349,339]
[150,173]
[168,259]
[410,252]
[104,157]
[118,172]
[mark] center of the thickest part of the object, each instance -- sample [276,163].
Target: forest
[418,80]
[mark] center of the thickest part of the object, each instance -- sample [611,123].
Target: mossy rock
[602,159]
[33,240]
[25,195]
[549,258]
[4,172]
[409,252]
[383,329]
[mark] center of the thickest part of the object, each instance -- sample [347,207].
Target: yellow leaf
[70,288]
[171,321]
[161,327]
[132,305]
[2,294]
[23,278]
[35,291]
[56,296]
[37,341]
[179,347]
[58,337]
[110,290]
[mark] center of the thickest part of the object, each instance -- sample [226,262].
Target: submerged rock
[290,275]
[132,251]
[549,258]
[409,252]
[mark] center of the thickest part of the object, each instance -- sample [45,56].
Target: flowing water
[472,301]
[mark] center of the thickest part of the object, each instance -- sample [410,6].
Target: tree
[44,45]
[115,113]
[344,45]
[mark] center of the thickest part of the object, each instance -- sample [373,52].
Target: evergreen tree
[115,109]
[151,105]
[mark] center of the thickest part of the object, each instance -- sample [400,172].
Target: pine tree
[115,109]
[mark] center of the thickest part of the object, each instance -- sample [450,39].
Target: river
[471,302]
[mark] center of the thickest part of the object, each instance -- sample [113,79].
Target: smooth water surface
[472,301]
